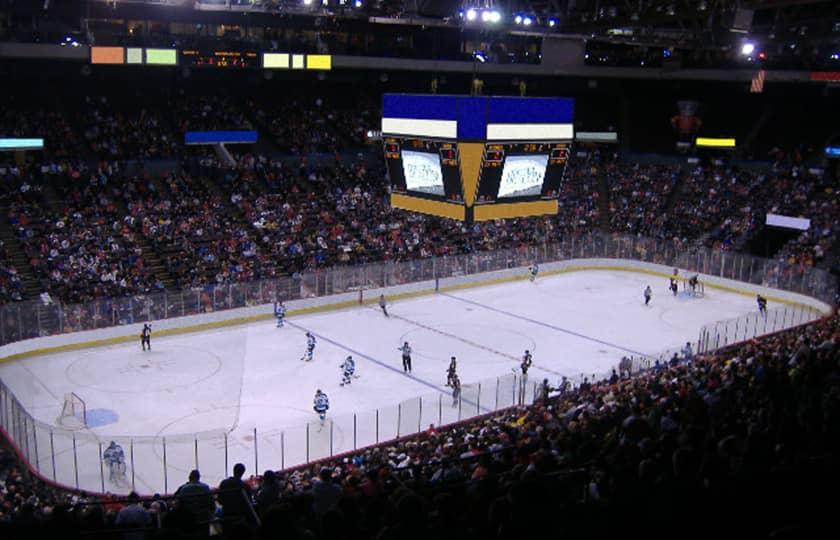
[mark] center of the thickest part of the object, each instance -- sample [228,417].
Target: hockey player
[692,283]
[279,313]
[456,390]
[310,347]
[762,304]
[382,304]
[545,390]
[114,458]
[527,360]
[406,357]
[349,367]
[321,404]
[146,337]
[688,352]
[450,372]
[534,269]
[648,294]
[672,286]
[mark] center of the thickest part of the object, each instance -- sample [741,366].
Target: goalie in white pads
[349,370]
[321,404]
[310,347]
[114,458]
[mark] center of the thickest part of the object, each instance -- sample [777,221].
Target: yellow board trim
[351,303]
[427,206]
[486,212]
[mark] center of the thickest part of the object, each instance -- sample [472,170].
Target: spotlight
[747,48]
[527,21]
[471,14]
[358,3]
[485,16]
[552,22]
[518,19]
[495,16]
[307,2]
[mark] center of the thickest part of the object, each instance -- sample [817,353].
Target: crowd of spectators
[208,113]
[738,441]
[79,247]
[192,229]
[127,132]
[24,121]
[211,223]
[638,195]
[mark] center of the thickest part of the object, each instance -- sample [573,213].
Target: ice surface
[210,393]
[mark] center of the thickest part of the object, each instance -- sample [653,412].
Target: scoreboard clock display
[220,58]
[423,167]
[521,171]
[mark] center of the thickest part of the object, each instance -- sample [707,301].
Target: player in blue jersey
[349,369]
[310,347]
[279,313]
[762,304]
[321,404]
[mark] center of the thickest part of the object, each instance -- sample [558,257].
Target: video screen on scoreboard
[522,176]
[423,172]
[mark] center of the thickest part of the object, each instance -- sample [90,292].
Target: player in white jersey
[406,357]
[310,347]
[383,304]
[321,404]
[349,368]
[456,390]
[114,458]
[279,313]
[534,269]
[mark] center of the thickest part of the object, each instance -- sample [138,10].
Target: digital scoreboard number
[220,58]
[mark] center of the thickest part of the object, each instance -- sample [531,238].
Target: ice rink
[244,394]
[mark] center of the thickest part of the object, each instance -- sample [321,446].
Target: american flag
[757,84]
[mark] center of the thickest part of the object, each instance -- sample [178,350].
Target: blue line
[378,362]
[545,324]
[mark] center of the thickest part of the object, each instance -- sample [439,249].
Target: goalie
[114,458]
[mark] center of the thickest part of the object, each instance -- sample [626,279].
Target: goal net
[697,290]
[73,412]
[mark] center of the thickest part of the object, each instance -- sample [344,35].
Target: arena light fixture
[747,48]
[552,22]
[495,16]
[518,19]
[358,3]
[527,21]
[472,14]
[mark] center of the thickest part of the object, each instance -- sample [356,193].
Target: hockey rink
[207,400]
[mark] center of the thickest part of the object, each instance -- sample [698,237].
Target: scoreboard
[426,168]
[521,171]
[476,158]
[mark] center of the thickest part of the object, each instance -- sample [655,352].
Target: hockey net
[698,289]
[73,412]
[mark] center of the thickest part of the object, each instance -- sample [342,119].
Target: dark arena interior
[175,169]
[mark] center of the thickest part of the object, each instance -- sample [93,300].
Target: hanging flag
[757,84]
